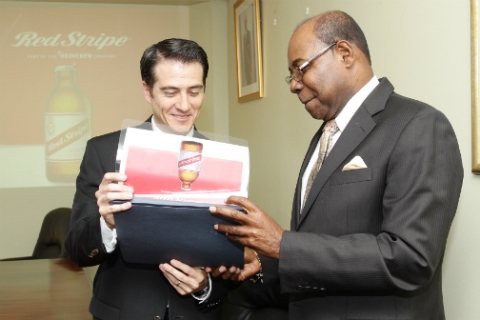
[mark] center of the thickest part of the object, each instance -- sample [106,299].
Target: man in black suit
[174,73]
[368,235]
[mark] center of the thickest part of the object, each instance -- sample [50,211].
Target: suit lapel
[356,131]
[297,203]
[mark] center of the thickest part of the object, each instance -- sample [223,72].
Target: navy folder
[156,231]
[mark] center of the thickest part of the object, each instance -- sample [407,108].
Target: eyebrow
[198,86]
[295,63]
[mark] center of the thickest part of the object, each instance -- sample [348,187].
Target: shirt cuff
[203,295]
[109,236]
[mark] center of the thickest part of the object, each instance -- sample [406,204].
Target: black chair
[243,303]
[51,239]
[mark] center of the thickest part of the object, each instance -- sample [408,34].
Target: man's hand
[251,267]
[108,191]
[257,229]
[183,278]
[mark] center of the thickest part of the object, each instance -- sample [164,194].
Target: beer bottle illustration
[67,126]
[189,161]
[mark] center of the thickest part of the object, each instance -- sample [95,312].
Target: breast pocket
[352,176]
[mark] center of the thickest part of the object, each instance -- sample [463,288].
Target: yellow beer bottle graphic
[189,161]
[67,127]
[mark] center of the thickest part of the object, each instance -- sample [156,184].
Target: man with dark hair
[174,72]
[375,198]
[172,49]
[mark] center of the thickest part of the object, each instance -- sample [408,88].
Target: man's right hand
[110,190]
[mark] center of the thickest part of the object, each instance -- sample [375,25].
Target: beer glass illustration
[189,161]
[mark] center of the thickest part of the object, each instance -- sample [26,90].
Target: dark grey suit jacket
[123,290]
[369,243]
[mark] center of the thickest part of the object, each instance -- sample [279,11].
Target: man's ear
[347,52]
[147,93]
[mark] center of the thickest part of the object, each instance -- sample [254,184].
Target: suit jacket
[123,290]
[369,243]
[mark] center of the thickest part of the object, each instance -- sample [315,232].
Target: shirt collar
[354,103]
[157,129]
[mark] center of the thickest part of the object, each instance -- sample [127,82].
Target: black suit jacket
[369,243]
[123,290]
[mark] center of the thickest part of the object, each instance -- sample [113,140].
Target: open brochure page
[171,167]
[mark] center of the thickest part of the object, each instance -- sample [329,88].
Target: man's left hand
[183,278]
[257,230]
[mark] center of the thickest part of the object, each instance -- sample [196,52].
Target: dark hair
[334,26]
[185,51]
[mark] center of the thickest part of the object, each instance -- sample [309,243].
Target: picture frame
[248,45]
[475,87]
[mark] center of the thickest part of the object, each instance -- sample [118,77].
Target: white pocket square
[355,164]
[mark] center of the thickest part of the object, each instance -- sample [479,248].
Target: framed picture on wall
[249,50]
[475,88]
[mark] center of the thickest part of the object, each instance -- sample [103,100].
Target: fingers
[242,202]
[104,201]
[110,209]
[208,269]
[230,213]
[256,229]
[110,190]
[183,278]
[237,274]
[177,284]
[235,215]
[239,233]
[231,273]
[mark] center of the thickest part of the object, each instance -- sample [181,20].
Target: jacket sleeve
[84,241]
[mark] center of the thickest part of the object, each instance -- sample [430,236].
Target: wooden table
[43,289]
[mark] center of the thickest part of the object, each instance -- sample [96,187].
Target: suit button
[93,253]
[157,318]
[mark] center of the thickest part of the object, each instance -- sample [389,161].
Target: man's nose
[182,103]
[296,86]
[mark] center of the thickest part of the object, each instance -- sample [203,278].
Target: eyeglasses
[297,73]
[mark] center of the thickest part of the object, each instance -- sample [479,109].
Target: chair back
[53,233]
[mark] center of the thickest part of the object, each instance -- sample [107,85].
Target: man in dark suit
[174,73]
[368,236]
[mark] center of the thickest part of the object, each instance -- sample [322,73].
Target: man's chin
[313,113]
[180,130]
[316,112]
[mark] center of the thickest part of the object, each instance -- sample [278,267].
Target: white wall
[423,47]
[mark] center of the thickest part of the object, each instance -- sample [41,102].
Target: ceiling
[150,2]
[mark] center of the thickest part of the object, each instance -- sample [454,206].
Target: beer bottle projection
[189,161]
[67,127]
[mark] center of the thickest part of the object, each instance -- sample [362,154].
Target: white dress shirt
[342,120]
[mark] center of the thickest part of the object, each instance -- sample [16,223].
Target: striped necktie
[325,146]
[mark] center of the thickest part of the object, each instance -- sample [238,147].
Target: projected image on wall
[69,72]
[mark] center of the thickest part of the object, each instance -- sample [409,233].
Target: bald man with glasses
[375,197]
